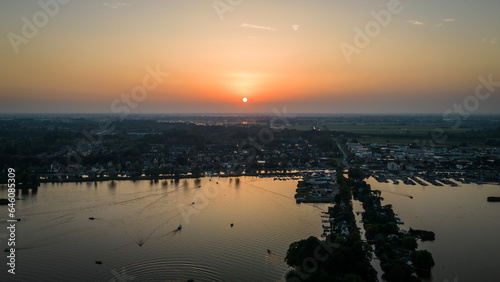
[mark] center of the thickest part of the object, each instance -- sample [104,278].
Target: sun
[245,99]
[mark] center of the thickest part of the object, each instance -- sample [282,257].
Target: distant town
[51,148]
[330,156]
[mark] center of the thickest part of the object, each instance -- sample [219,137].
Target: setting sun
[245,99]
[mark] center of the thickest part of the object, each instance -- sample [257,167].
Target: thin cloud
[117,5]
[257,26]
[415,22]
[488,40]
[445,21]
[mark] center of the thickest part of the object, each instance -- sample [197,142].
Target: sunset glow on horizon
[422,59]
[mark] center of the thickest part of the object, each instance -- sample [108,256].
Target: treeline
[34,145]
[397,250]
[344,258]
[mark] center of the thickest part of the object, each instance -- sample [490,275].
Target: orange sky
[276,53]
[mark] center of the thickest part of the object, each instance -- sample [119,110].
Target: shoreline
[296,173]
[165,177]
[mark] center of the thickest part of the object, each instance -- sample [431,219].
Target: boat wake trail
[275,260]
[168,233]
[263,189]
[141,241]
[316,206]
[155,201]
[159,226]
[399,194]
[124,246]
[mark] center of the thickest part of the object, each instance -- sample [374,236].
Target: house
[392,166]
[344,231]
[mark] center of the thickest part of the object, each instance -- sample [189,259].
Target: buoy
[232,225]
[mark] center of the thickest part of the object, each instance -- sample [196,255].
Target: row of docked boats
[433,178]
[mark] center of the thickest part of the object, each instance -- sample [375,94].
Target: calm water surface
[467,227]
[134,232]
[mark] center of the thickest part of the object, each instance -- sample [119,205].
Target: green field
[393,133]
[382,129]
[338,160]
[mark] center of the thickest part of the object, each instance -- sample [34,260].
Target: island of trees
[344,256]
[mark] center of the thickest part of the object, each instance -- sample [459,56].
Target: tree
[299,251]
[136,168]
[337,199]
[409,243]
[353,278]
[423,259]
[356,172]
[315,260]
[340,174]
[345,191]
[396,273]
[196,171]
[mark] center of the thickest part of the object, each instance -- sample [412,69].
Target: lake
[134,233]
[467,227]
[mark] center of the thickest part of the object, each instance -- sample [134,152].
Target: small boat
[98,262]
[493,199]
[91,218]
[180,227]
[268,251]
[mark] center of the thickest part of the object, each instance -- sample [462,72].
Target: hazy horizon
[317,57]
